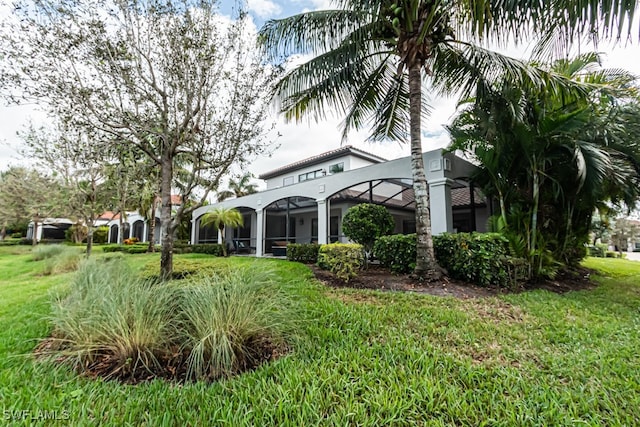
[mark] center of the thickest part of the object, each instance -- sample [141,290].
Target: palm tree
[552,160]
[221,217]
[372,58]
[238,188]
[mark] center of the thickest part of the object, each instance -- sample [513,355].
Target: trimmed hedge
[209,248]
[396,252]
[342,259]
[480,258]
[303,252]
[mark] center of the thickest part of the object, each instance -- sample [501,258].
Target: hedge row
[303,252]
[480,258]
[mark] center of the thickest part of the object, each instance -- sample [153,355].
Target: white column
[145,231]
[219,237]
[259,232]
[194,231]
[440,198]
[322,222]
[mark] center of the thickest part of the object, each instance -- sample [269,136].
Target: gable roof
[333,154]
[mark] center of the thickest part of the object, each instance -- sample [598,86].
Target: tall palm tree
[372,58]
[563,156]
[222,217]
[238,187]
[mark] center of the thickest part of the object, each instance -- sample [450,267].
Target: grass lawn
[363,358]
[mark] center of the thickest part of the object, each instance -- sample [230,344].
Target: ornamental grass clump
[65,260]
[113,323]
[234,322]
[42,252]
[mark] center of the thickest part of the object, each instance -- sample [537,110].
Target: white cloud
[264,8]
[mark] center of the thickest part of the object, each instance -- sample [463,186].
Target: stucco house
[305,201]
[135,225]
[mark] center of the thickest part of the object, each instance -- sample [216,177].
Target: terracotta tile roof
[108,215]
[347,149]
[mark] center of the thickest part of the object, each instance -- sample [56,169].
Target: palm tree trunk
[426,266]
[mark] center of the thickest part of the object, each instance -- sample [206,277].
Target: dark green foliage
[396,252]
[342,259]
[366,222]
[209,248]
[100,235]
[480,258]
[9,242]
[303,252]
[138,248]
[16,235]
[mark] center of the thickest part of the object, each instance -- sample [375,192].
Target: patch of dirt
[170,365]
[378,278]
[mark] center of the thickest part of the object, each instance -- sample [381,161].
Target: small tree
[221,217]
[366,222]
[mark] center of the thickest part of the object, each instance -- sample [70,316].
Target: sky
[305,139]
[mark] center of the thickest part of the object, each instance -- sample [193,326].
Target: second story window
[336,168]
[287,181]
[310,175]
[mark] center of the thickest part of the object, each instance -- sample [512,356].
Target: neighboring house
[306,200]
[134,224]
[50,229]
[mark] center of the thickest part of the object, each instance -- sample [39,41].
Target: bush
[209,248]
[122,325]
[233,322]
[77,233]
[112,314]
[366,222]
[612,254]
[343,260]
[49,251]
[303,252]
[131,241]
[480,258]
[63,262]
[396,252]
[101,235]
[17,235]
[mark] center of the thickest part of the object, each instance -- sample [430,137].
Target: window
[336,168]
[287,181]
[310,175]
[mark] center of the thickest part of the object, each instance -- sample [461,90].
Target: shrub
[112,248]
[343,260]
[233,322]
[396,252]
[210,249]
[612,254]
[481,258]
[303,252]
[77,233]
[366,222]
[63,262]
[49,251]
[111,315]
[17,235]
[131,241]
[101,235]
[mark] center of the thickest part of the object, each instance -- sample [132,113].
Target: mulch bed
[378,278]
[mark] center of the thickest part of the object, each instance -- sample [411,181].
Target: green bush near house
[481,258]
[209,249]
[396,252]
[342,259]
[365,223]
[101,235]
[306,253]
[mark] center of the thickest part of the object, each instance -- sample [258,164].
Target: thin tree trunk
[166,176]
[426,266]
[89,240]
[120,230]
[152,228]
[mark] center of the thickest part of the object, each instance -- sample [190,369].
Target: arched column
[440,205]
[259,232]
[323,231]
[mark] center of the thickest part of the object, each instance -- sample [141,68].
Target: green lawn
[363,358]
